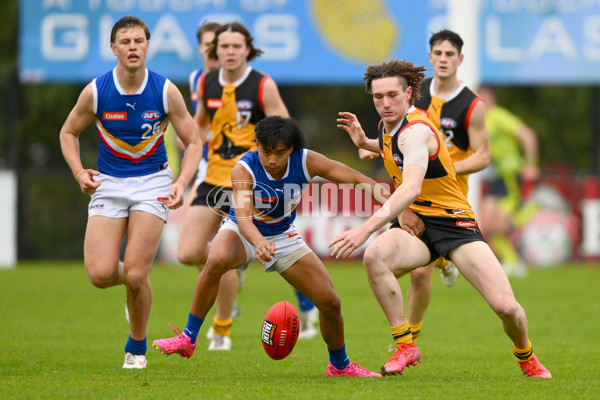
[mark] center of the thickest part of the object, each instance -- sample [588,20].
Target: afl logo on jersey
[150,115]
[397,159]
[448,123]
[243,105]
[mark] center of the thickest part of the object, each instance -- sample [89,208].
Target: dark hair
[274,129]
[407,73]
[206,27]
[128,23]
[239,28]
[448,35]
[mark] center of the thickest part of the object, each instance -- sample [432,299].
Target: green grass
[63,338]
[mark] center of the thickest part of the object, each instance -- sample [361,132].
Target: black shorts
[443,234]
[213,196]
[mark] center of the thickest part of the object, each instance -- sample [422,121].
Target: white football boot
[449,274]
[308,323]
[134,361]
[220,343]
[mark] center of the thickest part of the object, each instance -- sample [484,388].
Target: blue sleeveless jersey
[275,201]
[131,126]
[193,80]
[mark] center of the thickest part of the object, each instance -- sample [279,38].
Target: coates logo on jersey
[150,115]
[243,105]
[214,103]
[448,123]
[114,116]
[466,224]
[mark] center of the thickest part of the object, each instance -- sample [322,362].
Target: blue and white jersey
[131,126]
[275,200]
[193,80]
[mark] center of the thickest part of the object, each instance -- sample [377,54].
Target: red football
[279,331]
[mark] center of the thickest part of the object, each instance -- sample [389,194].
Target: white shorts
[289,247]
[116,197]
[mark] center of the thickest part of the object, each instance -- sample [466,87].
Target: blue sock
[339,358]
[137,347]
[193,327]
[304,303]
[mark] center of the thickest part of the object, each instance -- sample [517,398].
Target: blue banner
[315,41]
[542,42]
[305,42]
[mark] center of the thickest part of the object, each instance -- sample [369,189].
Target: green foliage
[8,32]
[8,65]
[54,217]
[562,118]
[65,338]
[39,143]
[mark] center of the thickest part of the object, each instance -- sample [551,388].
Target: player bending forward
[267,187]
[425,179]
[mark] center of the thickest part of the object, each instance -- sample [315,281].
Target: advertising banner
[304,41]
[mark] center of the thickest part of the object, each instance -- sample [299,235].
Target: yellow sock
[415,329]
[441,263]
[402,334]
[222,327]
[523,355]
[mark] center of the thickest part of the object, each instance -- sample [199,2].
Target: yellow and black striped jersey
[234,111]
[451,116]
[441,194]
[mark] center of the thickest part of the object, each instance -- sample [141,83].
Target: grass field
[62,338]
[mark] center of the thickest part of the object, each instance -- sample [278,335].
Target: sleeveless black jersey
[451,117]
[234,111]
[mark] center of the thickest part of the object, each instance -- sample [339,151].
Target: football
[280,328]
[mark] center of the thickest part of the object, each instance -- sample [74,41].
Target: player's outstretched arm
[417,144]
[335,171]
[347,242]
[349,123]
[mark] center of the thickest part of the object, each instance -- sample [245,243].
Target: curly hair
[407,73]
[239,28]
